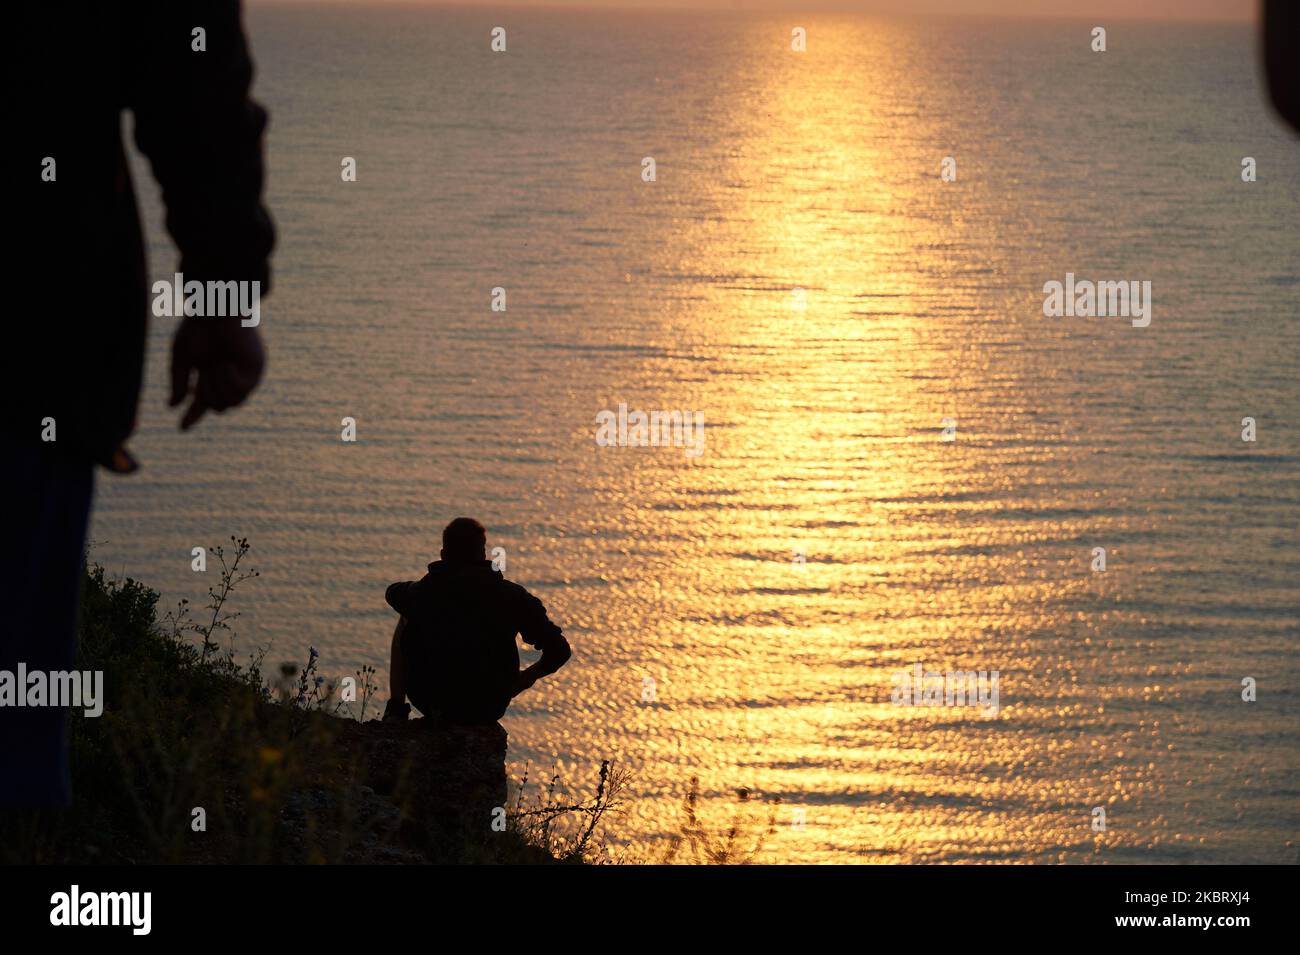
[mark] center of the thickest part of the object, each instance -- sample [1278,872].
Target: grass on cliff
[201,759]
[198,758]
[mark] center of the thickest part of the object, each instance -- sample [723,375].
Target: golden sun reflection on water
[833,304]
[796,589]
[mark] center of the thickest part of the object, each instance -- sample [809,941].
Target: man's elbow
[560,654]
[392,596]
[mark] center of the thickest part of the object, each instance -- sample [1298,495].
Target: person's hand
[217,362]
[396,711]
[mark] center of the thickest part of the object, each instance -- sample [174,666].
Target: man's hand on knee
[396,711]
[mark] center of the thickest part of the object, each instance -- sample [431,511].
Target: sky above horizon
[1239,10]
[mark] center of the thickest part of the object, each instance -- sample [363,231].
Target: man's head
[464,539]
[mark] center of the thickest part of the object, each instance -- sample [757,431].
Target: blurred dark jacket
[80,273]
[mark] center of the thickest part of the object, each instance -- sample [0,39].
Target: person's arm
[396,666]
[538,630]
[202,134]
[397,708]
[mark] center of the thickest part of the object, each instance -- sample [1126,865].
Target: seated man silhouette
[454,652]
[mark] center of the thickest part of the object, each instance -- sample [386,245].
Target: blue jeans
[41,569]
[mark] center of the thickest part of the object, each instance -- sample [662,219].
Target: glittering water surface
[922,301]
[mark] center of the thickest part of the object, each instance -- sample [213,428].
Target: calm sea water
[827,537]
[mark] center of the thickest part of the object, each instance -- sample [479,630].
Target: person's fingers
[182,365]
[214,384]
[251,363]
[193,413]
[238,382]
[180,374]
[216,387]
[227,386]
[250,375]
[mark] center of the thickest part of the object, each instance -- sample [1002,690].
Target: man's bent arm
[537,629]
[396,665]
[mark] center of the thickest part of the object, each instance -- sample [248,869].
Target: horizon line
[876,8]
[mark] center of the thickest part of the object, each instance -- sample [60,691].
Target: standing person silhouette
[454,653]
[183,72]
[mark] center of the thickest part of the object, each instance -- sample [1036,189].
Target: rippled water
[827,537]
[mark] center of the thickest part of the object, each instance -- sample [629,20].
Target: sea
[829,238]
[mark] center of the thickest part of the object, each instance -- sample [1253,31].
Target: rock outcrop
[416,792]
